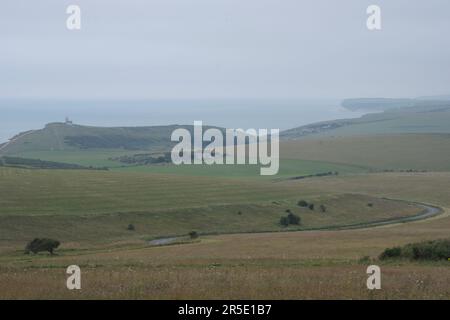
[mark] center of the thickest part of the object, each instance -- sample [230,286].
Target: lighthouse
[68,121]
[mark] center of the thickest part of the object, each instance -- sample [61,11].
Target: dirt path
[428,212]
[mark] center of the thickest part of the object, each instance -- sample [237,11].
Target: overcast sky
[208,49]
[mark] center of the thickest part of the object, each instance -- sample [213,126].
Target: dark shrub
[131,227]
[370,205]
[391,253]
[302,203]
[311,207]
[323,208]
[40,245]
[290,219]
[193,234]
[284,221]
[429,250]
[240,213]
[293,219]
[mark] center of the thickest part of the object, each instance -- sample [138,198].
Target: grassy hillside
[97,192]
[285,265]
[98,206]
[289,168]
[89,157]
[64,137]
[26,163]
[417,119]
[378,152]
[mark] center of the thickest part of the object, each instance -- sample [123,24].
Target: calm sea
[19,116]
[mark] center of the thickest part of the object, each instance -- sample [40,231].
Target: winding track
[428,211]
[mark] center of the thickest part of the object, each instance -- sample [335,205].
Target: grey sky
[184,49]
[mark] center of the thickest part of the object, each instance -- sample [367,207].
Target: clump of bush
[323,208]
[428,250]
[370,205]
[41,245]
[131,227]
[290,219]
[193,235]
[389,253]
[302,203]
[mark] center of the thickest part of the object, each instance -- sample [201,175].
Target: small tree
[131,227]
[39,245]
[311,206]
[370,205]
[293,219]
[284,221]
[323,208]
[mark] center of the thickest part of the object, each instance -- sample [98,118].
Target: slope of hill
[69,137]
[420,118]
[414,151]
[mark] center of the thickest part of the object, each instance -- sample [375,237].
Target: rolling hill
[398,152]
[90,146]
[70,137]
[421,118]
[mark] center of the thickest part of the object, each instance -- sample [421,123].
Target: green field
[65,137]
[90,157]
[96,192]
[288,168]
[424,119]
[377,152]
[346,155]
[78,205]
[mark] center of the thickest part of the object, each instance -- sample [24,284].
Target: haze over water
[18,116]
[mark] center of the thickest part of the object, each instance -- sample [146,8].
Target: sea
[22,115]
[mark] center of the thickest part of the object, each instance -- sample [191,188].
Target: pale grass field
[291,265]
[232,282]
